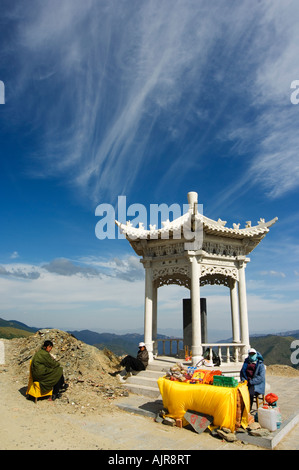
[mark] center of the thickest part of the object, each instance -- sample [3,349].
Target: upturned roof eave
[209,226]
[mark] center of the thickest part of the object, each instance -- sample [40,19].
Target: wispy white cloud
[264,134]
[113,86]
[66,267]
[273,273]
[106,75]
[19,272]
[127,268]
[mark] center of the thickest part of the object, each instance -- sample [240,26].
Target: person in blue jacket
[254,372]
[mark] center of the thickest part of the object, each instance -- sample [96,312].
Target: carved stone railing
[174,346]
[227,352]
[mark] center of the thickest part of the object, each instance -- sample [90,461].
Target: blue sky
[150,100]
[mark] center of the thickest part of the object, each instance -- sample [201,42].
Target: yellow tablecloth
[219,402]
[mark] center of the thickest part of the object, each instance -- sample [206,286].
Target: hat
[251,350]
[140,345]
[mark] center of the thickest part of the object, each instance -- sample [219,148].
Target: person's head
[252,355]
[141,346]
[48,345]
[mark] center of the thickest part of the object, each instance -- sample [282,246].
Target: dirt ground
[86,416]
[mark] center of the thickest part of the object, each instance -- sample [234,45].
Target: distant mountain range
[119,344]
[275,348]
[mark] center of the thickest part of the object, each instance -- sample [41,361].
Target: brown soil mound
[282,370]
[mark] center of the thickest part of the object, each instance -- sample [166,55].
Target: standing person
[47,371]
[134,363]
[254,372]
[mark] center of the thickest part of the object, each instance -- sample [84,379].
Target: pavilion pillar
[148,309]
[234,311]
[244,328]
[155,319]
[195,308]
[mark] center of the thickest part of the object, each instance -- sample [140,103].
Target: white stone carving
[165,250]
[221,222]
[226,272]
[222,249]
[171,274]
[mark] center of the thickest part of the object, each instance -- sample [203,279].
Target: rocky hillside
[86,368]
[275,349]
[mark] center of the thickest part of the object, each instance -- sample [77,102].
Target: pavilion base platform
[145,382]
[145,398]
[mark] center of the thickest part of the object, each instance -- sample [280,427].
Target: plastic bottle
[267,417]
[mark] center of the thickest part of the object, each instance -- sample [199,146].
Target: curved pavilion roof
[210,226]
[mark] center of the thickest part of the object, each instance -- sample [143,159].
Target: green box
[222,381]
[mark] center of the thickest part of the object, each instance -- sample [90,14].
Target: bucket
[267,417]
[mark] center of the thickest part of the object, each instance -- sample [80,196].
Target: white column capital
[146,263]
[242,261]
[194,255]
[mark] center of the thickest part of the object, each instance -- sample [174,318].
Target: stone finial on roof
[193,201]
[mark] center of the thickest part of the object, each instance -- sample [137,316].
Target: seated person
[134,363]
[254,372]
[47,371]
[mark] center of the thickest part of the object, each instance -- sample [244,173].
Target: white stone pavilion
[193,251]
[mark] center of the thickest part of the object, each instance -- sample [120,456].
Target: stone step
[144,390]
[154,374]
[160,366]
[145,382]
